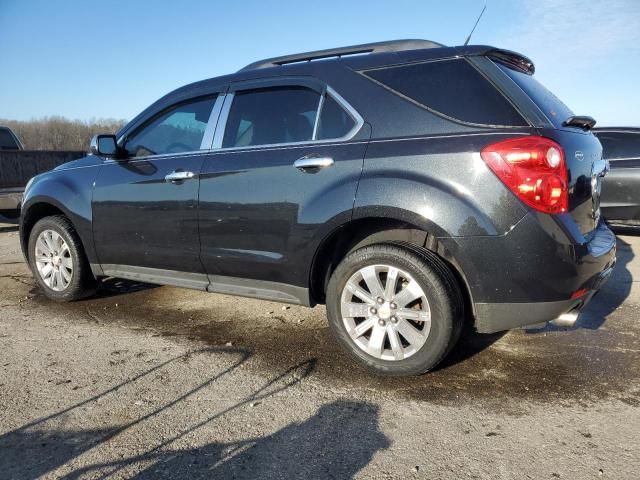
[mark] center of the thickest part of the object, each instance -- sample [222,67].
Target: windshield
[551,106]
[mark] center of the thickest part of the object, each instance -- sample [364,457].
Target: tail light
[533,168]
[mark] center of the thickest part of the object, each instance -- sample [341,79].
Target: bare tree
[59,133]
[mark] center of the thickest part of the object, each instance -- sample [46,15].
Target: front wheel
[57,260]
[396,309]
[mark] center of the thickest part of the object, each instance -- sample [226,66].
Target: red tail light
[534,168]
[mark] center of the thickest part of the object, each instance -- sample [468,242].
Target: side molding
[244,287]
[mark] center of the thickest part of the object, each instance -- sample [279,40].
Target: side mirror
[104,146]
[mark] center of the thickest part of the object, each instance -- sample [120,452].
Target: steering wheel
[177,147]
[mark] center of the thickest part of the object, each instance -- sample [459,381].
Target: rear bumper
[496,317]
[10,199]
[535,273]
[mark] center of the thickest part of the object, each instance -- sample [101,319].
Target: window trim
[327,90]
[222,107]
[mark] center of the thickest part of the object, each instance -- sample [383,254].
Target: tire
[75,282]
[358,328]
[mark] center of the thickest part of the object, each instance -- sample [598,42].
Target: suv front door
[289,157]
[145,215]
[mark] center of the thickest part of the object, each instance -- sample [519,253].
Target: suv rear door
[289,157]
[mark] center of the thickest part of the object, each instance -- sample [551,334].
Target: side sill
[244,287]
[265,290]
[196,281]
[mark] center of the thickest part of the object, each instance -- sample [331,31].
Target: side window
[271,115]
[452,88]
[177,130]
[334,121]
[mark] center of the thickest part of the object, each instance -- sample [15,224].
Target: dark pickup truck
[18,166]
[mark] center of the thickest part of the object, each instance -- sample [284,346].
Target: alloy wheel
[386,312]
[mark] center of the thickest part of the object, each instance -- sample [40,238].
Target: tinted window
[551,105]
[619,144]
[178,130]
[334,121]
[7,142]
[271,115]
[453,88]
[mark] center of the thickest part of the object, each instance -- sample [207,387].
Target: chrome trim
[222,121]
[622,159]
[207,139]
[305,163]
[314,135]
[175,177]
[351,111]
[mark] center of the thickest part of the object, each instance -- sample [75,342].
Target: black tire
[83,283]
[441,290]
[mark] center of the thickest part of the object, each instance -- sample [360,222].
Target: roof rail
[378,47]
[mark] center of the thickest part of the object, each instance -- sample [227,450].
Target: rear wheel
[58,262]
[397,309]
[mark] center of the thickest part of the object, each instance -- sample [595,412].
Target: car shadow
[112,287]
[336,442]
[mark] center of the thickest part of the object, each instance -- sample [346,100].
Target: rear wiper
[580,121]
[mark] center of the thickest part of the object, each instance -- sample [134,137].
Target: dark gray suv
[407,185]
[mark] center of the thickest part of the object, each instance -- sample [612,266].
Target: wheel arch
[371,230]
[37,209]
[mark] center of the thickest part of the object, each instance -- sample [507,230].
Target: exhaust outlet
[566,320]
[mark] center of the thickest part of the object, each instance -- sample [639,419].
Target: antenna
[476,24]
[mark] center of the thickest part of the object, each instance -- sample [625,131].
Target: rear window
[7,142]
[452,88]
[551,105]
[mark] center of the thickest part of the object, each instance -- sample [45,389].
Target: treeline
[59,133]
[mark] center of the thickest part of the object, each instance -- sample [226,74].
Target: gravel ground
[158,382]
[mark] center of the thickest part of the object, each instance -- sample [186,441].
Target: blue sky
[93,59]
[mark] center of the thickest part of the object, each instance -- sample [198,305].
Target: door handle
[175,177]
[311,164]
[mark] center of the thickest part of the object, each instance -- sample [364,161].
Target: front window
[180,129]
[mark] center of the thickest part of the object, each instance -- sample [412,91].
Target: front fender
[69,191]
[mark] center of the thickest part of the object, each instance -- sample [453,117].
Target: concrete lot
[158,382]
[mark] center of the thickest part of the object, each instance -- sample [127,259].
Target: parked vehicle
[408,187]
[9,197]
[621,188]
[18,166]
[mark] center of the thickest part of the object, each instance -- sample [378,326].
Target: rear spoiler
[512,60]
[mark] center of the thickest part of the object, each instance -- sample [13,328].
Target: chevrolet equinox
[407,185]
